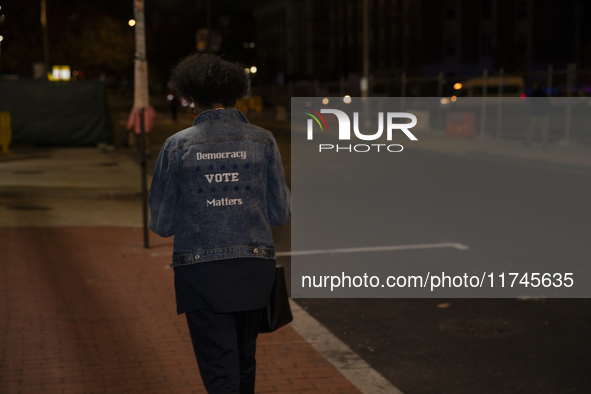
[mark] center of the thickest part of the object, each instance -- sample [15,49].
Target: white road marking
[345,360]
[455,245]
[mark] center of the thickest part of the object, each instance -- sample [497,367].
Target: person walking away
[218,187]
[173,106]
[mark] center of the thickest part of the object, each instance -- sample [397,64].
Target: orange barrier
[460,124]
[242,105]
[5,132]
[255,103]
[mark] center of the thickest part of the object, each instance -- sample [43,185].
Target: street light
[253,70]
[131,22]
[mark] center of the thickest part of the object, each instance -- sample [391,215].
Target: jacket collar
[220,114]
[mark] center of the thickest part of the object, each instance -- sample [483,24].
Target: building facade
[322,39]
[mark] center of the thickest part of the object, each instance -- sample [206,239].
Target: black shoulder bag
[277,313]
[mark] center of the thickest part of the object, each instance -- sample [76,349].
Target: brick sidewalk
[88,310]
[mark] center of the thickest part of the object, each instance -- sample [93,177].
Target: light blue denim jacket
[218,187]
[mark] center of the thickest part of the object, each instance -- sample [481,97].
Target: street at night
[476,345]
[157,159]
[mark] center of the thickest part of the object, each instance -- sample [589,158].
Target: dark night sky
[76,38]
[171,26]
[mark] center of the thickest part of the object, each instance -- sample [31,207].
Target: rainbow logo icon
[316,118]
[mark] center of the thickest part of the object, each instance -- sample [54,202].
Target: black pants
[225,347]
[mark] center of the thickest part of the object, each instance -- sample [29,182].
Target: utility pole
[45,37]
[208,24]
[140,103]
[577,13]
[500,102]
[483,110]
[365,79]
[1,37]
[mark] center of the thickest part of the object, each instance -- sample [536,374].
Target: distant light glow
[251,45]
[523,96]
[347,99]
[457,86]
[325,101]
[454,99]
[444,101]
[169,97]
[253,70]
[61,73]
[131,22]
[247,70]
[1,38]
[184,103]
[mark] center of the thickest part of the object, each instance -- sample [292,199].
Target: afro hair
[208,79]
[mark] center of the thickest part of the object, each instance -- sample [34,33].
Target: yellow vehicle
[512,87]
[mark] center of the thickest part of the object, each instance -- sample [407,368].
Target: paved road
[471,345]
[507,212]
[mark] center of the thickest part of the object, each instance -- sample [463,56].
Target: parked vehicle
[512,87]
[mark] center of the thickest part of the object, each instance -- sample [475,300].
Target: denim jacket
[218,187]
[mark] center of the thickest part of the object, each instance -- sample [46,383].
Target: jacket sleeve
[278,195]
[164,193]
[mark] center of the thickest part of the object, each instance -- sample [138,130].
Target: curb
[346,361]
